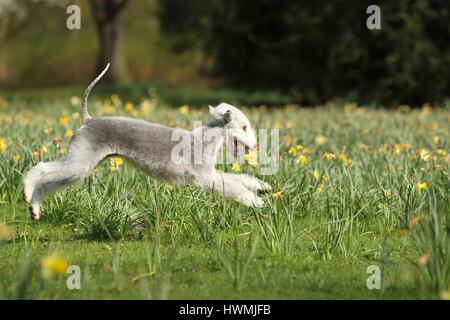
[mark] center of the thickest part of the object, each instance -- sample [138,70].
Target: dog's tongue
[236,149]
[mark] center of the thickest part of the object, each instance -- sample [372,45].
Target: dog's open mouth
[236,148]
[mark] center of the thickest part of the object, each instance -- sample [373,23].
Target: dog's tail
[84,112]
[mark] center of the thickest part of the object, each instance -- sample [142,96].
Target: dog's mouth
[235,148]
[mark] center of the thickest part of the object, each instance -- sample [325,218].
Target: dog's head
[237,127]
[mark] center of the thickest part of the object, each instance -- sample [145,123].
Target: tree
[11,14]
[14,14]
[321,49]
[108,16]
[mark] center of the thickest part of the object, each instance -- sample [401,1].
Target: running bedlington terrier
[156,150]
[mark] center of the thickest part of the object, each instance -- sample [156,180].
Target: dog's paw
[34,212]
[251,200]
[256,185]
[258,203]
[263,187]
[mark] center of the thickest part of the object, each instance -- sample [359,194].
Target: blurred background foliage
[312,51]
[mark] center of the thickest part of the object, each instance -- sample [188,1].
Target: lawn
[356,187]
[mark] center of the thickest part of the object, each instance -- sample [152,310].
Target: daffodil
[236,167]
[363,146]
[277,195]
[108,107]
[17,157]
[69,134]
[115,99]
[387,193]
[401,147]
[118,160]
[319,189]
[315,175]
[129,106]
[75,101]
[184,109]
[302,159]
[2,145]
[320,139]
[114,163]
[146,107]
[329,156]
[294,149]
[424,154]
[252,158]
[406,146]
[64,120]
[422,185]
[54,265]
[277,124]
[345,160]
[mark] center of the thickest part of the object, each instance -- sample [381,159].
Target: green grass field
[356,187]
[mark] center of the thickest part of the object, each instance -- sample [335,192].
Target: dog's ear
[215,113]
[227,116]
[212,110]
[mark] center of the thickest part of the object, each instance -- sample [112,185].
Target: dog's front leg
[232,188]
[252,183]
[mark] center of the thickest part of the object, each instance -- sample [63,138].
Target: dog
[152,148]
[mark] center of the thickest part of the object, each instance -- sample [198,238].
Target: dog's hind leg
[46,177]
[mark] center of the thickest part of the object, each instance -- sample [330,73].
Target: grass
[356,187]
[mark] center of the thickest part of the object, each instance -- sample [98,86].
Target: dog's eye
[244,128]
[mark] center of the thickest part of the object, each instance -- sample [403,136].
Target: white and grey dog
[150,147]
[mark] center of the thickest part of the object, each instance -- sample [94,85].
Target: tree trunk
[108,15]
